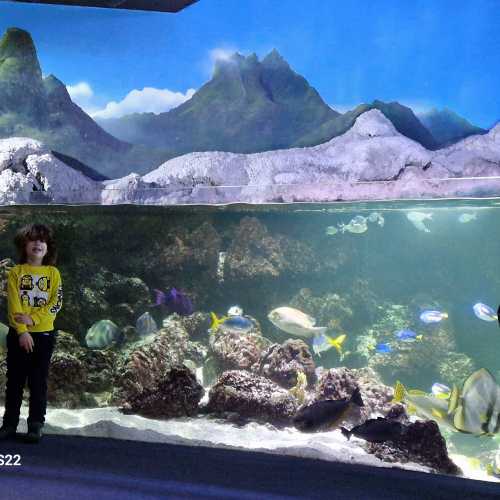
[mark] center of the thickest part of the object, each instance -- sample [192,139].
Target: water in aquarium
[366,328]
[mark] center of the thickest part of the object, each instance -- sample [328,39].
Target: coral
[197,325]
[254,254]
[185,250]
[416,363]
[75,373]
[236,349]
[282,363]
[106,295]
[252,397]
[422,443]
[455,368]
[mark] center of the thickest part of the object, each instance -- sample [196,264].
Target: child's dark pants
[33,367]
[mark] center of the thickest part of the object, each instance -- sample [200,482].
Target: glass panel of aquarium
[273,232]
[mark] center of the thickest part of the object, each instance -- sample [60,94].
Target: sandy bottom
[205,431]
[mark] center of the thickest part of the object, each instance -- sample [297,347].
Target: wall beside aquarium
[200,305]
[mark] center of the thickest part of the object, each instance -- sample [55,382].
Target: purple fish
[176,301]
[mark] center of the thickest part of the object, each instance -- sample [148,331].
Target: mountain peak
[235,62]
[18,45]
[274,58]
[373,123]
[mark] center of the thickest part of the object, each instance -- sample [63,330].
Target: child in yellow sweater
[34,298]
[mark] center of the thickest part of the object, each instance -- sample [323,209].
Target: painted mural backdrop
[328,101]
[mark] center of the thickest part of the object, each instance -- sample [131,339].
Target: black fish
[498,315]
[376,430]
[328,413]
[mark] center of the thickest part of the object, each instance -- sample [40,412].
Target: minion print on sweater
[36,291]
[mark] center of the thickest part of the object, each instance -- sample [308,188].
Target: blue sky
[421,53]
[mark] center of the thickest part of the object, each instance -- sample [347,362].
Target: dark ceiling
[160,5]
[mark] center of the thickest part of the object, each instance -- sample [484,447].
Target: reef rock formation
[234,349]
[79,377]
[455,368]
[251,397]
[421,443]
[281,363]
[330,310]
[187,249]
[415,363]
[196,325]
[142,369]
[255,254]
[338,383]
[112,296]
[176,394]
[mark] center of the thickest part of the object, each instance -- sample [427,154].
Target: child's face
[36,250]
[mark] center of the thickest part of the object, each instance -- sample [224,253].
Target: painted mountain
[447,127]
[254,106]
[371,161]
[247,106]
[41,108]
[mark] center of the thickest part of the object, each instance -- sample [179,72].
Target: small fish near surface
[104,333]
[418,218]
[331,231]
[407,336]
[295,322]
[465,218]
[239,323]
[175,300]
[432,316]
[376,430]
[484,312]
[327,414]
[376,217]
[322,343]
[357,225]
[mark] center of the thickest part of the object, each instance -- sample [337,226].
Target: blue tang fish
[407,336]
[431,316]
[484,312]
[383,348]
[235,322]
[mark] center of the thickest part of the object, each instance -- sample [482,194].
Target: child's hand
[26,342]
[23,318]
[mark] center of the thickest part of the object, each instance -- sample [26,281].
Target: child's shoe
[34,432]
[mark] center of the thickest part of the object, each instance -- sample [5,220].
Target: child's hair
[32,232]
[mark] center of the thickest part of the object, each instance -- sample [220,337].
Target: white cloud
[221,54]
[80,93]
[148,99]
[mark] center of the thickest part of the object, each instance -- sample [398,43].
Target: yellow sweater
[36,291]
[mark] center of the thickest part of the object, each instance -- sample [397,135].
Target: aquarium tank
[275,232]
